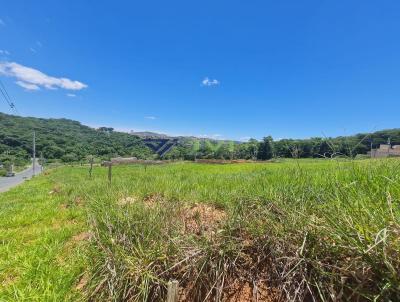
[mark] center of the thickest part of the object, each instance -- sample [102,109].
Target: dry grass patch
[7,279]
[202,219]
[81,237]
[83,281]
[126,201]
[55,190]
[152,200]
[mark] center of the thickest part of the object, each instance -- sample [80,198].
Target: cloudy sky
[226,69]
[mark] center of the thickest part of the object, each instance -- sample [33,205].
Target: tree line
[267,148]
[70,141]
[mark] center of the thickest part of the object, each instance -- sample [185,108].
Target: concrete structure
[124,160]
[385,150]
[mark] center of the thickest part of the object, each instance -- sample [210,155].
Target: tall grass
[318,230]
[297,230]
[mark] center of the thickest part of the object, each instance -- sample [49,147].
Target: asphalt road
[7,183]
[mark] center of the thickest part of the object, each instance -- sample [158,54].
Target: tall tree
[265,149]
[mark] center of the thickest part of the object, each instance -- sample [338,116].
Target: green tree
[254,145]
[265,149]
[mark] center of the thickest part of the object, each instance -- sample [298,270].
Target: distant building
[124,160]
[385,150]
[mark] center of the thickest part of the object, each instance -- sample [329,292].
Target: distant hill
[66,139]
[69,140]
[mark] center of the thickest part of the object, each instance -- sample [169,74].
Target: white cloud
[4,52]
[150,117]
[35,79]
[32,49]
[27,86]
[2,22]
[209,82]
[71,95]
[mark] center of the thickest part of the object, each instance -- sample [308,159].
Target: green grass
[309,228]
[38,261]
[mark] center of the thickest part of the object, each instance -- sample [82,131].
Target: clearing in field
[302,230]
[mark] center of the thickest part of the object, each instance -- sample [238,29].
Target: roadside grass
[321,230]
[38,262]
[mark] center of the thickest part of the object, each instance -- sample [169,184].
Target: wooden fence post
[109,172]
[91,167]
[172,295]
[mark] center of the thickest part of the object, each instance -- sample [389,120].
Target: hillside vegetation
[70,141]
[65,139]
[300,230]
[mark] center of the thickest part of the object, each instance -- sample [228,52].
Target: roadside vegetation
[323,230]
[40,254]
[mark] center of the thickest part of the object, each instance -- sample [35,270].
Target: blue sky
[228,69]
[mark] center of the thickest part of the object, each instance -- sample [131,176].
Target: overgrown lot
[297,230]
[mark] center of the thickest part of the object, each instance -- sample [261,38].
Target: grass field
[288,231]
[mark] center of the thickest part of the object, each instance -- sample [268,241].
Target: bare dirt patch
[8,279]
[56,190]
[81,237]
[149,201]
[76,201]
[126,201]
[235,291]
[82,282]
[79,201]
[202,219]
[241,291]
[152,200]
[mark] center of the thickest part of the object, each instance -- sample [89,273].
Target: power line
[7,98]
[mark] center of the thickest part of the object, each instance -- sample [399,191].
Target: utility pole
[91,160]
[34,153]
[371,150]
[41,161]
